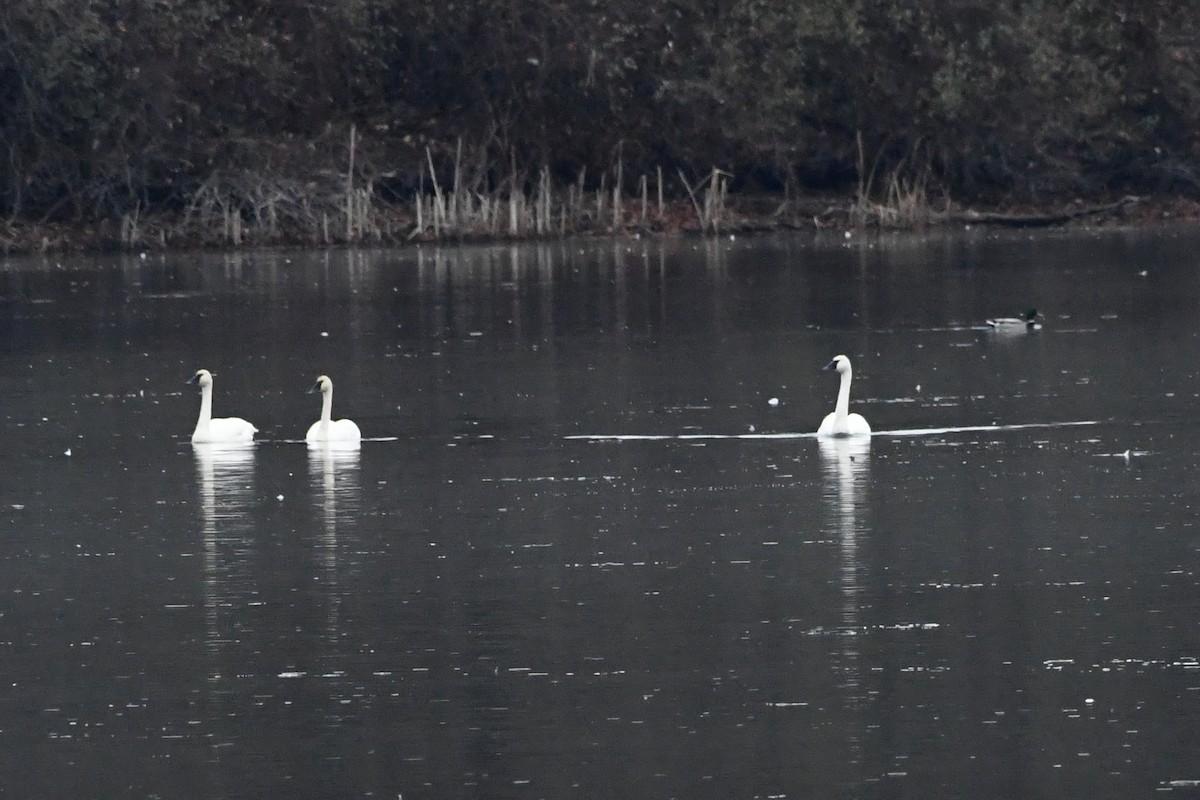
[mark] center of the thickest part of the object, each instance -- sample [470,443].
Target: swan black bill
[832,365]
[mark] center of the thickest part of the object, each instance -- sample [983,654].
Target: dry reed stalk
[493,215]
[709,215]
[723,195]
[129,227]
[420,205]
[513,216]
[457,191]
[660,193]
[714,200]
[905,201]
[695,203]
[708,202]
[548,194]
[438,207]
[577,210]
[362,205]
[487,210]
[645,199]
[863,181]
[350,186]
[616,223]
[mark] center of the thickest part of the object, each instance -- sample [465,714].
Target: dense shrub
[107,106]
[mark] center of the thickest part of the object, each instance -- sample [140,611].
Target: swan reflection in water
[846,473]
[224,479]
[334,479]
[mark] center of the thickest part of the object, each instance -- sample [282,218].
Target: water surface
[581,553]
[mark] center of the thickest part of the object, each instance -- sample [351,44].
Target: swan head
[323,385]
[202,378]
[840,365]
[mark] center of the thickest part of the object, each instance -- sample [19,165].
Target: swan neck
[842,409]
[327,405]
[205,405]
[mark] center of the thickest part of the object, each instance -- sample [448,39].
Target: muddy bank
[397,225]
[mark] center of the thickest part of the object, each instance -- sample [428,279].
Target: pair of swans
[235,430]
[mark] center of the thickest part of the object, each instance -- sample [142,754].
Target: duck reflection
[224,480]
[846,473]
[334,477]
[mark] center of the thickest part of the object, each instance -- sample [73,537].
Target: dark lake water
[581,552]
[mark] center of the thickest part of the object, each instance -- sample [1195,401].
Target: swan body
[840,422]
[1027,321]
[327,430]
[222,430]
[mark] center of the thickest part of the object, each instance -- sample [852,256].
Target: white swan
[1026,322]
[326,430]
[225,430]
[840,422]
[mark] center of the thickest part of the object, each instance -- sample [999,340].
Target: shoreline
[394,225]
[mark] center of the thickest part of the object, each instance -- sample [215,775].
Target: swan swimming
[840,422]
[1027,322]
[227,430]
[326,429]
